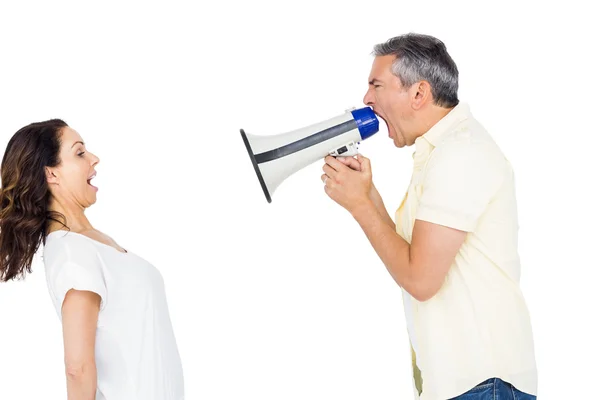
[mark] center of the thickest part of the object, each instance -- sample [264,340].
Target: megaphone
[276,157]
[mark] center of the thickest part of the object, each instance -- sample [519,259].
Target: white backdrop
[288,300]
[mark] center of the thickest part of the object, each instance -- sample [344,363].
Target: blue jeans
[494,389]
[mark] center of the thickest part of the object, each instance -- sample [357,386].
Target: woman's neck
[75,218]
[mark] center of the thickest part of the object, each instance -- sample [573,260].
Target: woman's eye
[81,154]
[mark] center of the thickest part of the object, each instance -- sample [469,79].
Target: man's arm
[374,194]
[378,202]
[420,268]
[460,183]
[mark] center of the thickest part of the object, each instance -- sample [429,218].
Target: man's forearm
[391,248]
[378,202]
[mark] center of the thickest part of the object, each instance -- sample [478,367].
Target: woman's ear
[51,177]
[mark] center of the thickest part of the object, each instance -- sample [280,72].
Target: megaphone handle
[350,153]
[348,150]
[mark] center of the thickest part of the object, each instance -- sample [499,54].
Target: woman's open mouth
[90,183]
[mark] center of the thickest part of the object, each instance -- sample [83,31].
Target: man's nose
[368,98]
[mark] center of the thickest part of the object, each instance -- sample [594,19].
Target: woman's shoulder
[64,245]
[67,238]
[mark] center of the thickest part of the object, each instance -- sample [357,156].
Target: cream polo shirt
[477,326]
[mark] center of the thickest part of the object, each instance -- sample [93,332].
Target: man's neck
[431,116]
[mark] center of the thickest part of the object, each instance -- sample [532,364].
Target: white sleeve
[77,266]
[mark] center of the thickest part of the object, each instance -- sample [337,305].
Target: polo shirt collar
[459,113]
[425,143]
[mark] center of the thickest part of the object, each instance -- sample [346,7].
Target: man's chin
[399,143]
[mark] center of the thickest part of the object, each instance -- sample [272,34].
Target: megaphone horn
[276,157]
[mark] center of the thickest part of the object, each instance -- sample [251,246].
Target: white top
[136,352]
[477,326]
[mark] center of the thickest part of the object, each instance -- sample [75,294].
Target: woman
[118,338]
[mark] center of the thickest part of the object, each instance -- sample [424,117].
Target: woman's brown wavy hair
[25,195]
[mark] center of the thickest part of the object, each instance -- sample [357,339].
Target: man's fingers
[327,181]
[365,163]
[335,164]
[350,162]
[329,171]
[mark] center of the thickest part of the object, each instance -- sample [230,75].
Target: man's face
[390,100]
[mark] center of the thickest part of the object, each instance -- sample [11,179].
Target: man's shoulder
[468,145]
[467,131]
[467,137]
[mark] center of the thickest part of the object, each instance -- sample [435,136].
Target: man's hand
[353,163]
[348,182]
[350,162]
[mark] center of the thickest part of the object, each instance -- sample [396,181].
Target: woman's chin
[92,199]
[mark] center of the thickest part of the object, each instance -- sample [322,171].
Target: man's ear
[420,95]
[51,177]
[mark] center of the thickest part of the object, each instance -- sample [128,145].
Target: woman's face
[70,180]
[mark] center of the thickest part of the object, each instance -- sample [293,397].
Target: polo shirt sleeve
[460,180]
[77,266]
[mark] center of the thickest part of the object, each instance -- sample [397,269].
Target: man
[452,245]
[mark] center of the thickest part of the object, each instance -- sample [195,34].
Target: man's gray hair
[423,57]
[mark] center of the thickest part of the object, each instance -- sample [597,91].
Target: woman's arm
[80,311]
